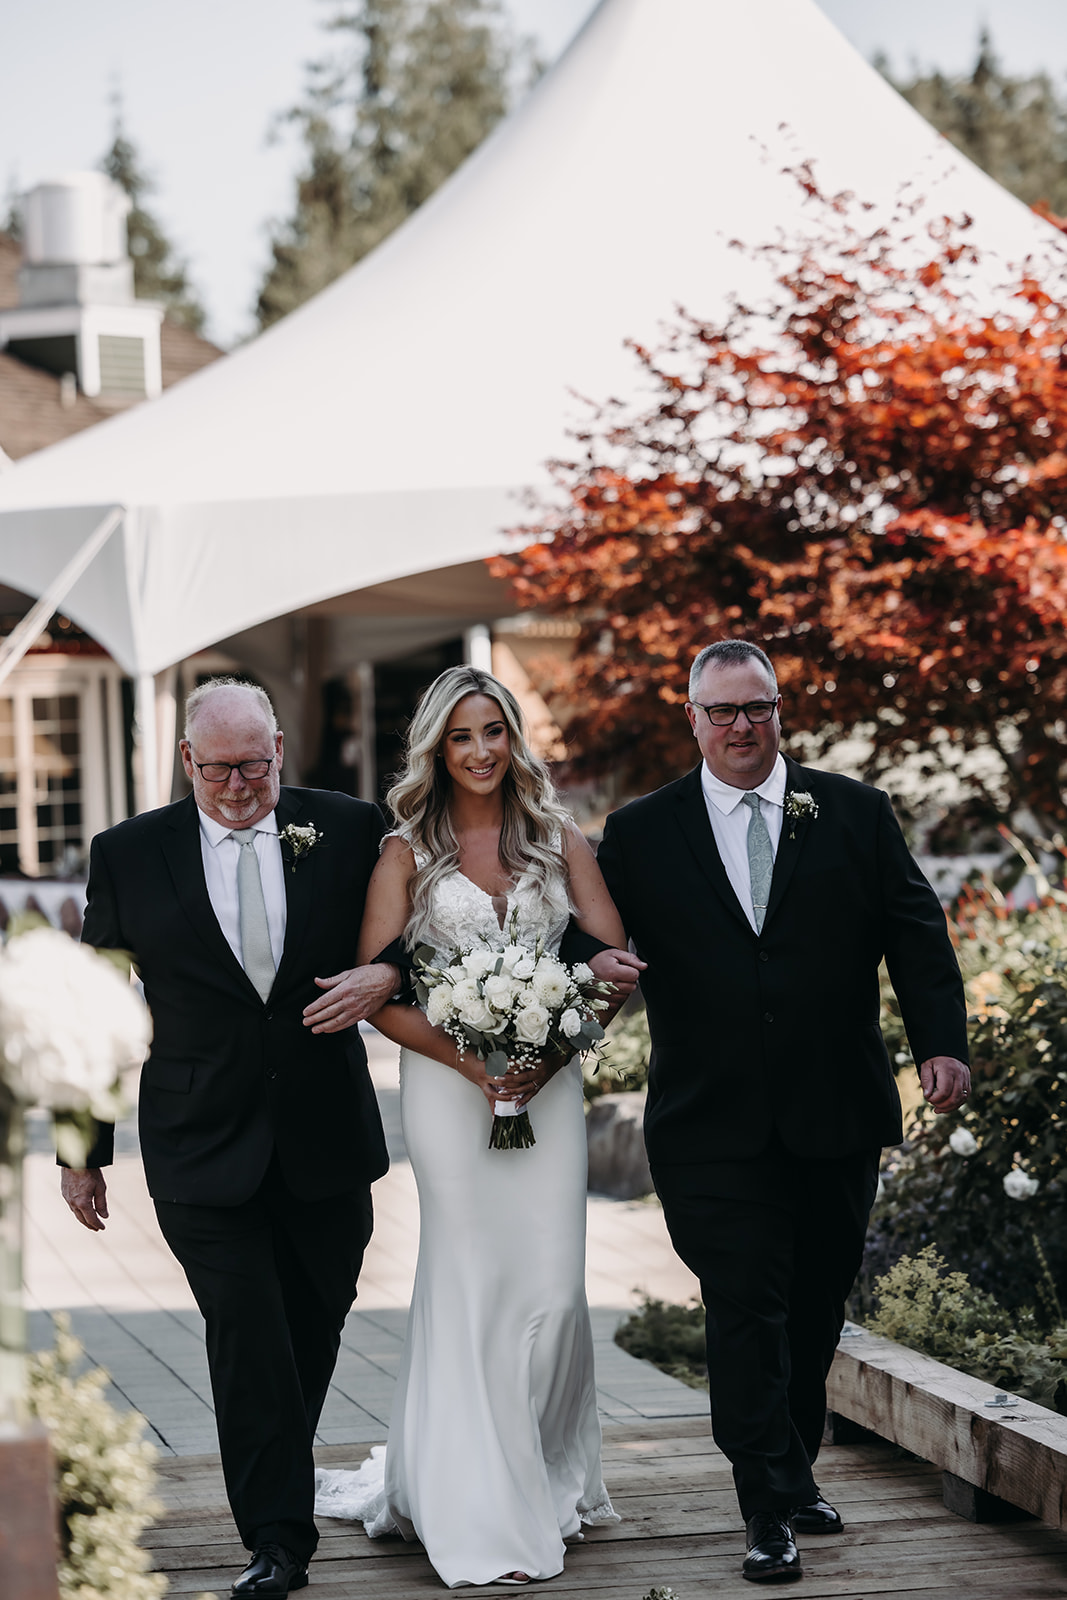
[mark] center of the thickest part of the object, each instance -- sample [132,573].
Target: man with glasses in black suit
[763,896]
[260,1133]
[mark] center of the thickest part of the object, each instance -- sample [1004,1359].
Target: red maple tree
[868,477]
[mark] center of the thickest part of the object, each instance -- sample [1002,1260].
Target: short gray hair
[194,701]
[729,653]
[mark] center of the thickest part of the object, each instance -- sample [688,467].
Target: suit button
[270,1014]
[764,956]
[271,1073]
[768,1016]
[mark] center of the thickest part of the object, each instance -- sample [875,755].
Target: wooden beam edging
[1017,1453]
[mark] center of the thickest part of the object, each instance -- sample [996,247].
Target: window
[57,781]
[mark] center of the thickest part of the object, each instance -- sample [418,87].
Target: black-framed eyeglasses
[755,710]
[219,771]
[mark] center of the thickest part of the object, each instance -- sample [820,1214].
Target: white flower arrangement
[299,839]
[800,806]
[962,1142]
[1018,1185]
[69,1023]
[510,1006]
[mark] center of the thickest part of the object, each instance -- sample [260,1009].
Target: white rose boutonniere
[299,841]
[800,805]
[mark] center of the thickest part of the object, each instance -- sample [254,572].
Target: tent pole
[36,619]
[148,741]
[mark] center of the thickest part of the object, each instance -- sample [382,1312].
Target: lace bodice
[464,915]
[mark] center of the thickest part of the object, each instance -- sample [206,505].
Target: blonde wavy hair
[531,836]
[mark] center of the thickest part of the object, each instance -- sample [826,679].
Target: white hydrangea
[70,1023]
[1018,1185]
[963,1142]
[550,982]
[439,1005]
[532,1025]
[570,1022]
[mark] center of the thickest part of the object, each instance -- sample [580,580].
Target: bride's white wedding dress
[493,1458]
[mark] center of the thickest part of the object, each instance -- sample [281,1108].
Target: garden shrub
[923,1305]
[671,1337]
[987,1186]
[622,1062]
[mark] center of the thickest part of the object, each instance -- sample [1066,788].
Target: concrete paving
[130,1305]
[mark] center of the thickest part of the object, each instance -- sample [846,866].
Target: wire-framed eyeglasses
[219,771]
[721,716]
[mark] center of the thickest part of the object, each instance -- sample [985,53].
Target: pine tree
[1013,128]
[158,274]
[414,91]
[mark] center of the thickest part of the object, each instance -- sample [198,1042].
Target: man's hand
[946,1082]
[351,996]
[618,967]
[86,1194]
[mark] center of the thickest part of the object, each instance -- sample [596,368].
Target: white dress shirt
[220,852]
[729,823]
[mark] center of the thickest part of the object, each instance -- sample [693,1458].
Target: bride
[493,1458]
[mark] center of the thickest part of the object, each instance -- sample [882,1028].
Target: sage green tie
[257,957]
[760,860]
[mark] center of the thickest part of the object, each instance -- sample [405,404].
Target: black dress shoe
[272,1573]
[819,1516]
[772,1555]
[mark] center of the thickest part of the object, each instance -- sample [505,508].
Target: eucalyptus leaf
[496,1064]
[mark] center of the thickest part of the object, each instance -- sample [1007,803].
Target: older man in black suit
[260,1132]
[763,896]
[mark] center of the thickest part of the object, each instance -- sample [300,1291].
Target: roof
[32,412]
[389,426]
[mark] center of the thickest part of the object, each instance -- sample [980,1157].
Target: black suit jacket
[779,1031]
[230,1078]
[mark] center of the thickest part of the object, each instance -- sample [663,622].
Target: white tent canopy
[385,428]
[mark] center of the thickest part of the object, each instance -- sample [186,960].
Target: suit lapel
[794,835]
[299,881]
[694,823]
[182,851]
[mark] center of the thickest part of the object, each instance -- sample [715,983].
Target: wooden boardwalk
[680,1529]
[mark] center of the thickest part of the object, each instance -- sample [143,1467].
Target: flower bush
[987,1187]
[671,1337]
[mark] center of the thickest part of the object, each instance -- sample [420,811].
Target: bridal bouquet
[511,1006]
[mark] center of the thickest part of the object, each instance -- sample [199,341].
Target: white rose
[513,954]
[581,974]
[480,1017]
[500,991]
[571,1023]
[466,991]
[531,1025]
[525,967]
[963,1142]
[1018,1185]
[550,982]
[439,1006]
[476,963]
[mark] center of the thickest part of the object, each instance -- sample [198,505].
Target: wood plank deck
[680,1529]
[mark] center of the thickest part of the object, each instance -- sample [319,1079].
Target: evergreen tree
[158,274]
[1013,128]
[414,91]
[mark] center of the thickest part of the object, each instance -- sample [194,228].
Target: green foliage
[384,123]
[661,1594]
[622,1062]
[157,273]
[1013,128]
[104,1478]
[926,1307]
[671,1337]
[1015,969]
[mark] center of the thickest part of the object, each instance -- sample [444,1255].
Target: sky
[203,84]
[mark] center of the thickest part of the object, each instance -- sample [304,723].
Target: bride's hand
[494,1089]
[536,1078]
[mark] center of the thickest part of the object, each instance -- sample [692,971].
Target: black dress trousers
[776,1242]
[275,1279]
